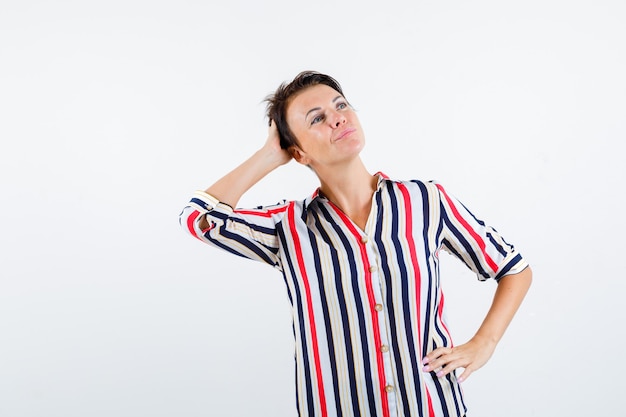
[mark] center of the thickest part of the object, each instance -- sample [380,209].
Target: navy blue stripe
[219,215]
[496,244]
[201,203]
[295,371]
[252,245]
[255,227]
[280,232]
[224,247]
[454,252]
[480,222]
[294,272]
[429,301]
[345,318]
[365,343]
[316,249]
[246,243]
[502,272]
[384,261]
[454,394]
[464,243]
[439,389]
[439,232]
[241,220]
[409,324]
[445,341]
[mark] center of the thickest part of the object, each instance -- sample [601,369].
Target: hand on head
[272,146]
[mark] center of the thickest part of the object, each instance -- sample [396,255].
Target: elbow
[188,220]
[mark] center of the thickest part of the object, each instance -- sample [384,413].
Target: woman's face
[326,127]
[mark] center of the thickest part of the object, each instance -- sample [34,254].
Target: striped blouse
[367,304]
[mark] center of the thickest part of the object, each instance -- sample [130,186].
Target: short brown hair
[277,103]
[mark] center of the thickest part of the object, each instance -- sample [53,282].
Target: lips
[345,133]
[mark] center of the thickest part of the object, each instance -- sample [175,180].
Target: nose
[337,119]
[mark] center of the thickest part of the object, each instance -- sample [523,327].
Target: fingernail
[440,374]
[460,379]
[427,369]
[425,360]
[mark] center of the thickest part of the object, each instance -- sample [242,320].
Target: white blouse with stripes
[367,304]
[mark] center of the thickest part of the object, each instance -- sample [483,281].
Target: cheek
[314,137]
[355,120]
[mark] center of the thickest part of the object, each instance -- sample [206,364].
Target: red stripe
[307,288]
[431,410]
[190,222]
[418,279]
[265,213]
[409,238]
[372,304]
[477,238]
[440,314]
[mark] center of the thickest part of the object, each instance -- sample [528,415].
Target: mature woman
[360,259]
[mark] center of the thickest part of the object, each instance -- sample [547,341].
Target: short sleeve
[474,242]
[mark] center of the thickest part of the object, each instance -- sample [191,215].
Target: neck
[350,187]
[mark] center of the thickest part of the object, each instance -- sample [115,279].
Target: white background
[113,113]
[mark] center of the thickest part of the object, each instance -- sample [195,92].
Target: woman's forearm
[233,185]
[509,295]
[476,352]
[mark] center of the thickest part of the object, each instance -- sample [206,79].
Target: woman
[360,261]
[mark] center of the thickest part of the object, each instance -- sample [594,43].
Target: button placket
[383,324]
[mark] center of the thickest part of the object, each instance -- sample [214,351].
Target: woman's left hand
[471,356]
[475,353]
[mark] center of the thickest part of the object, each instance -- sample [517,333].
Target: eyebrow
[319,108]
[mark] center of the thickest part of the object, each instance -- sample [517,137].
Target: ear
[298,155]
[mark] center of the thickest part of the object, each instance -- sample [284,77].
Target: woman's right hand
[272,146]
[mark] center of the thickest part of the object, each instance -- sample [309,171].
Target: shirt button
[372,268]
[384,348]
[389,388]
[364,239]
[378,307]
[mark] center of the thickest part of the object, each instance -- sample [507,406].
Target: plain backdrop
[113,113]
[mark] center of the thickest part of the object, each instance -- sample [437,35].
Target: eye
[342,105]
[317,119]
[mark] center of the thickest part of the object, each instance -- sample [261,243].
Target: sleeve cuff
[205,202]
[514,266]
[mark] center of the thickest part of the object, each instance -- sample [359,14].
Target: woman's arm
[232,186]
[474,354]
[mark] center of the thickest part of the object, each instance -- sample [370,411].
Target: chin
[360,146]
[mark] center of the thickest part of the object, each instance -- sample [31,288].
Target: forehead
[310,98]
